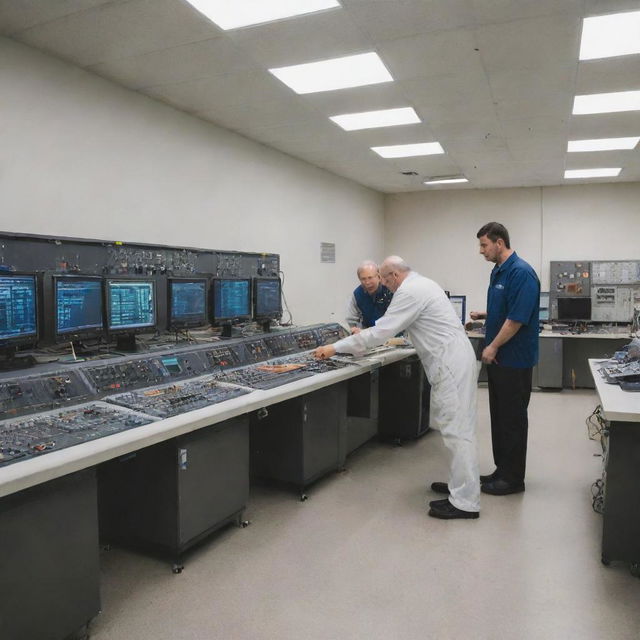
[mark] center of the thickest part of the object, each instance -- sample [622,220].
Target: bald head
[393,271]
[396,263]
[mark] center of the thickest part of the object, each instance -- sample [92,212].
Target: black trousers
[509,393]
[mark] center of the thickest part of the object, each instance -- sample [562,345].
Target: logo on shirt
[499,286]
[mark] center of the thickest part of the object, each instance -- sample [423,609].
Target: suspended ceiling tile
[488,11]
[118,30]
[529,45]
[621,73]
[319,36]
[16,16]
[191,61]
[385,20]
[432,54]
[234,88]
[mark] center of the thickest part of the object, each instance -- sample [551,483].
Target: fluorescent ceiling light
[607,102]
[592,173]
[446,181]
[230,14]
[407,150]
[336,73]
[617,34]
[373,119]
[602,144]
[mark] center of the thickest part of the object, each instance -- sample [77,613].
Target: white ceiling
[492,80]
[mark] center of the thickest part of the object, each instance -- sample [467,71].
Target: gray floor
[361,558]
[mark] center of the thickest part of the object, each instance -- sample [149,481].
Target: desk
[621,517]
[563,357]
[41,496]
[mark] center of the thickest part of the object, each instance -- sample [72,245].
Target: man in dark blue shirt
[510,354]
[370,300]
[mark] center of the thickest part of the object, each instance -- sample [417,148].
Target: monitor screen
[18,308]
[266,299]
[130,304]
[231,299]
[78,304]
[459,306]
[187,302]
[544,306]
[574,308]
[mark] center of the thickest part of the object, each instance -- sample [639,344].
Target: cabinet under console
[170,496]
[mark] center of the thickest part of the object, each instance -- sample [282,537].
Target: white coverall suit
[421,307]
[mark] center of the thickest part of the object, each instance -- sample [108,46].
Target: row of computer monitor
[88,306]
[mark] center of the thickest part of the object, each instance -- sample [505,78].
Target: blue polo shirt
[514,294]
[372,306]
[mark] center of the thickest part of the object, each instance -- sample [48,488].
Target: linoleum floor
[360,559]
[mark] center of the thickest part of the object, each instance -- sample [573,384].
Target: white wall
[80,156]
[436,231]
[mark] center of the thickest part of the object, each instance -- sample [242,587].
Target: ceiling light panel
[446,181]
[231,14]
[602,144]
[610,172]
[408,150]
[375,119]
[336,73]
[607,102]
[617,34]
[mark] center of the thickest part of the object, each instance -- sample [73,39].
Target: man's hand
[355,330]
[489,354]
[478,315]
[322,353]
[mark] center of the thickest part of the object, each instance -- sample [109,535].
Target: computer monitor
[544,306]
[459,305]
[131,309]
[570,309]
[18,310]
[77,307]
[267,293]
[187,302]
[231,302]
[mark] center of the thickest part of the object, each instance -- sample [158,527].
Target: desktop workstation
[153,445]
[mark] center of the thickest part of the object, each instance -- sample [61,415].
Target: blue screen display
[231,299]
[188,301]
[131,304]
[267,298]
[17,307]
[78,304]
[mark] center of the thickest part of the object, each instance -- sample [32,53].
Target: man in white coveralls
[421,307]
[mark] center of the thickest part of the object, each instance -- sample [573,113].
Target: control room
[319,319]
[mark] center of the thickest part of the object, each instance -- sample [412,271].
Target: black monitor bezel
[172,324]
[82,334]
[129,330]
[572,317]
[222,320]
[31,339]
[266,316]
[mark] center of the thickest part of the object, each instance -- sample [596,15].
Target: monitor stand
[126,342]
[227,331]
[265,325]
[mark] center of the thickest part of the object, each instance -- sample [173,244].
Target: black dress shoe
[438,502]
[490,478]
[440,487]
[446,511]
[501,487]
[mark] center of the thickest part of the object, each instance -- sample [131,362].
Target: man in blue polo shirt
[510,354]
[370,300]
